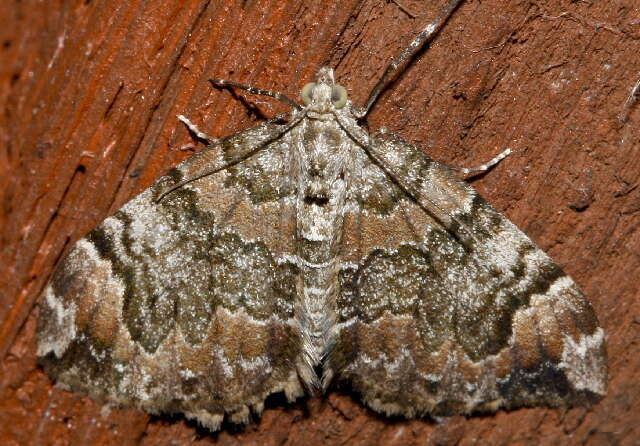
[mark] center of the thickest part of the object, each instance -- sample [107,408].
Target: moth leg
[238,147]
[272,94]
[471,171]
[196,131]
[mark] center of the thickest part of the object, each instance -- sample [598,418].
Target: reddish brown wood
[89,91]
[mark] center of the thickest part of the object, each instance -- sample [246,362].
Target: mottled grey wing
[446,307]
[185,305]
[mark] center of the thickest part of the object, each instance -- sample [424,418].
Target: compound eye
[338,96]
[306,92]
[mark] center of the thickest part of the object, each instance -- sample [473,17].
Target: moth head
[324,93]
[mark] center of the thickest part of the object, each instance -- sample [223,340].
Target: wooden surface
[89,91]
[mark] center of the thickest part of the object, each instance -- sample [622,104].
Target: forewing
[185,304]
[447,307]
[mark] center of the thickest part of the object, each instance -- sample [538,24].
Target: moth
[307,252]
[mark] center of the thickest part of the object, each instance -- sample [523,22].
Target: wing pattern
[457,310]
[185,305]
